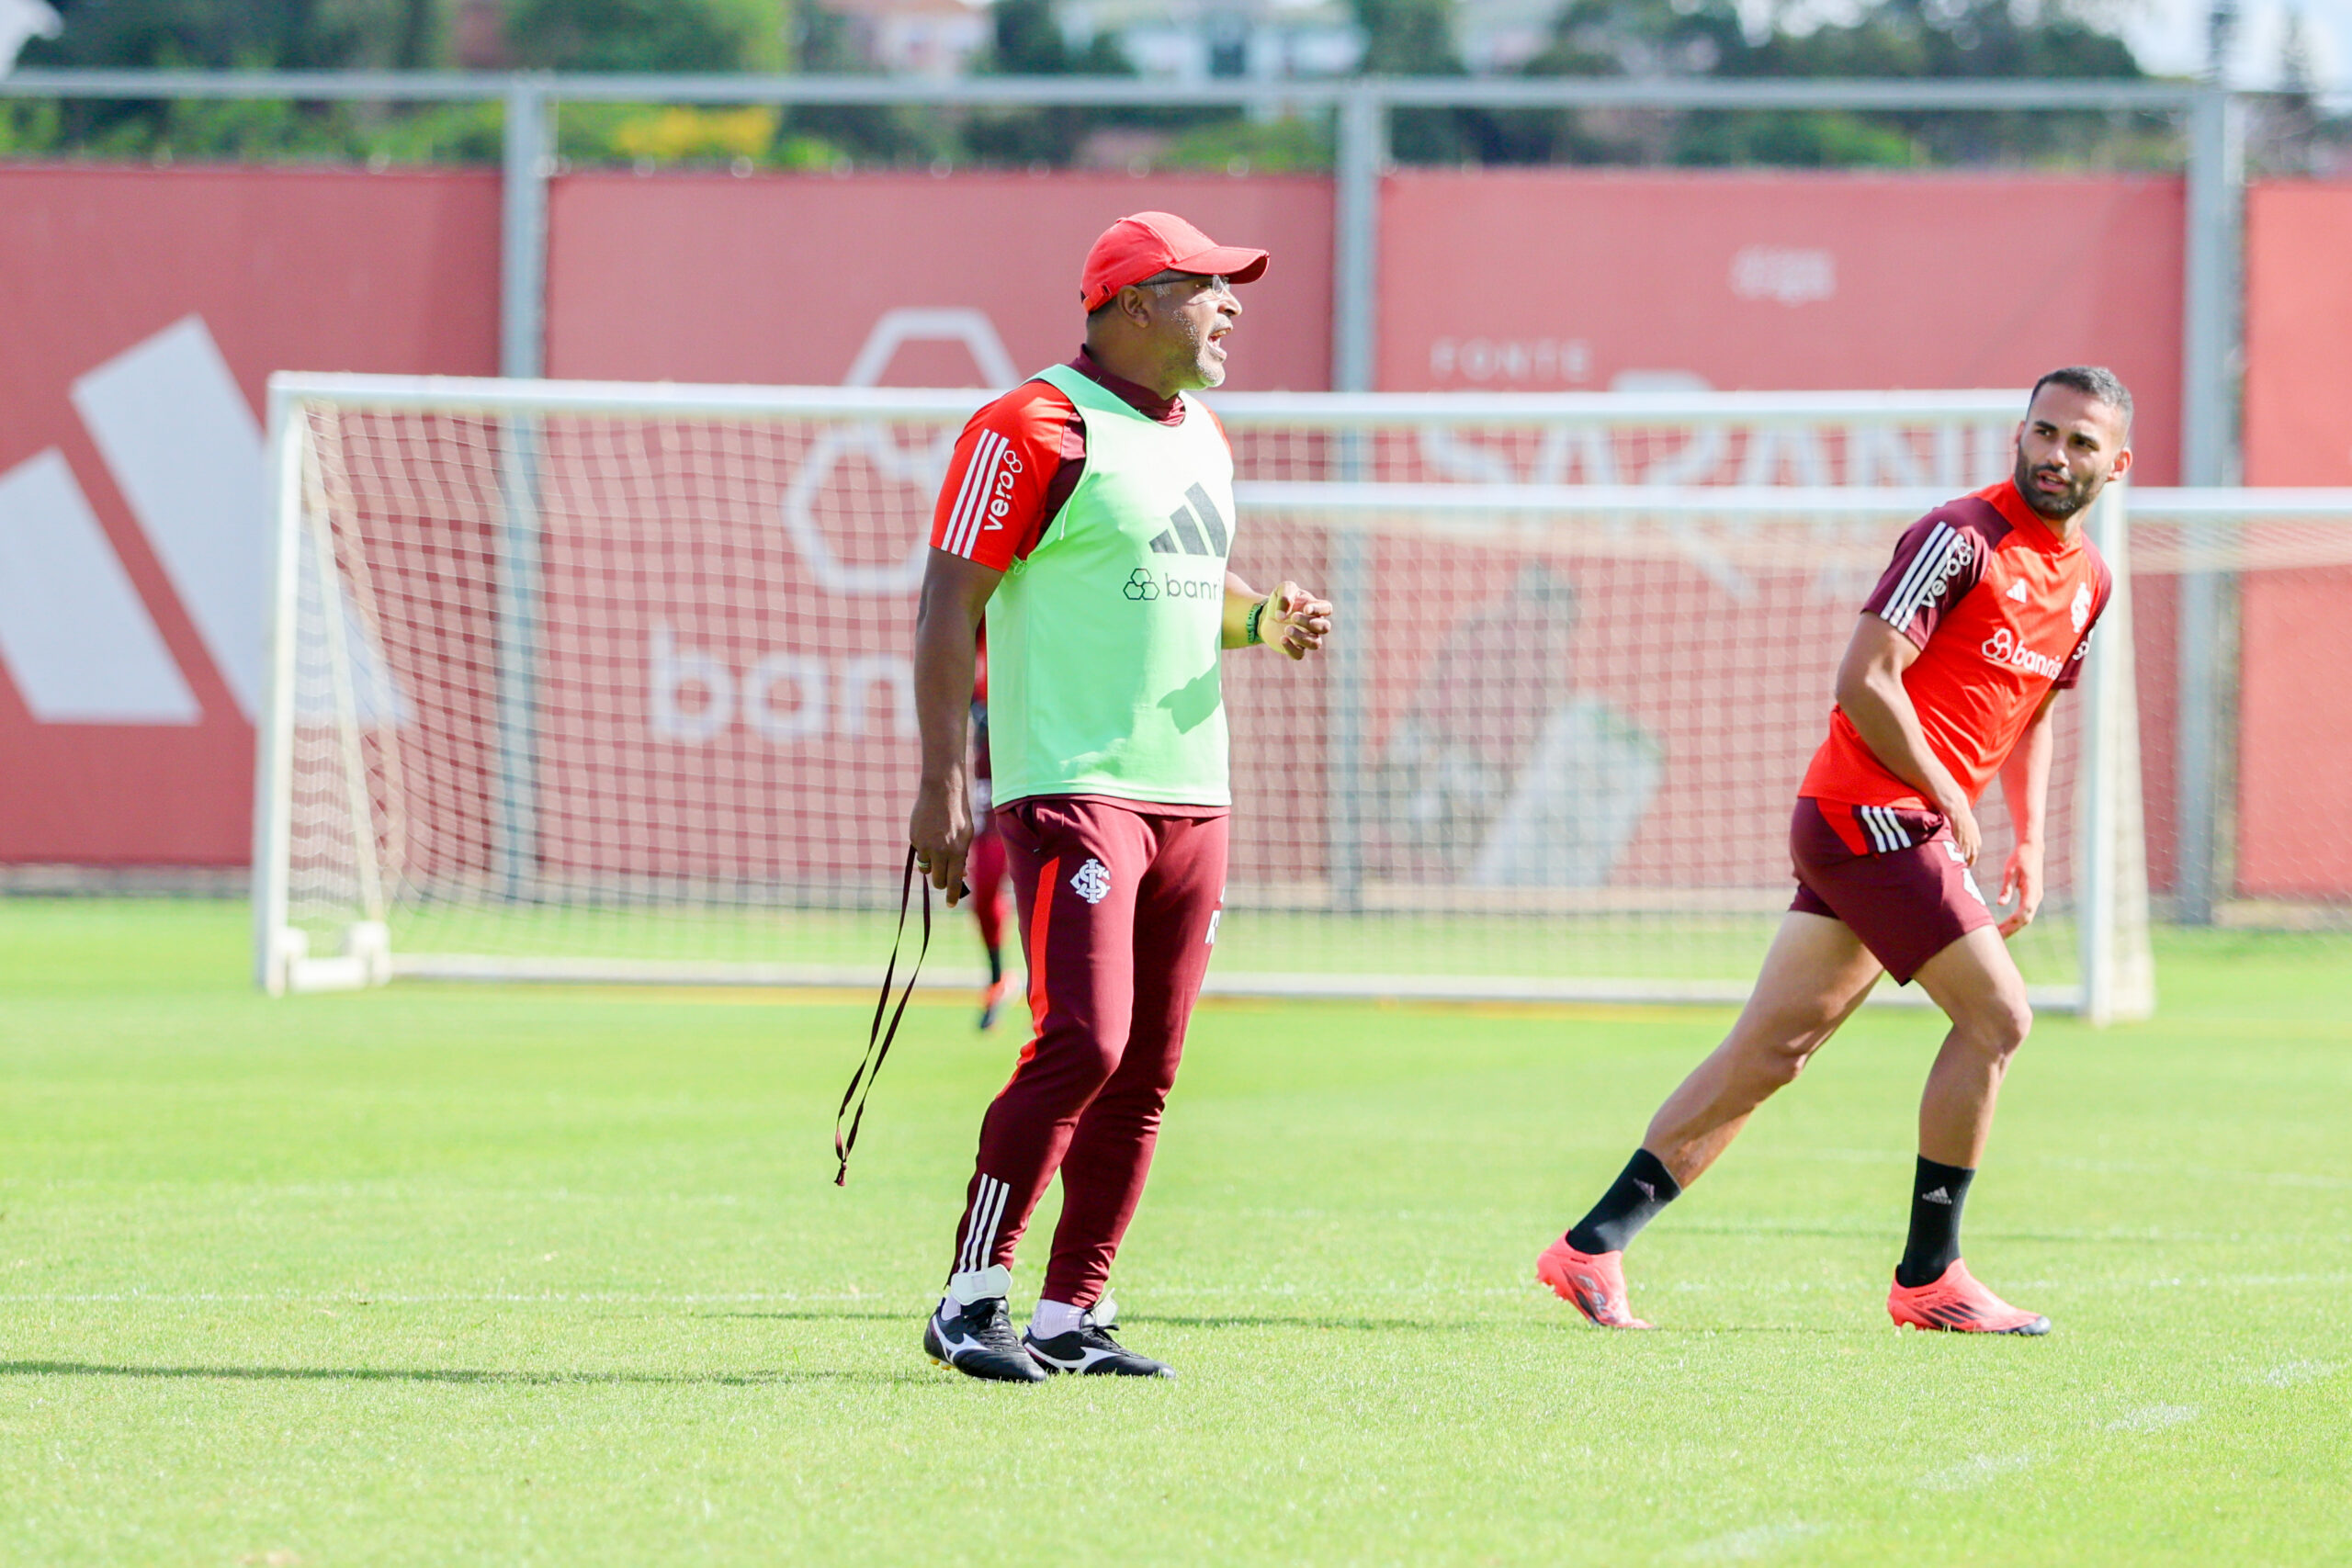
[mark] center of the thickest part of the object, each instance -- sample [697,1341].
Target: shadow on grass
[1702,1330]
[1299,1320]
[1157,1319]
[461,1376]
[1881,1233]
[913,1314]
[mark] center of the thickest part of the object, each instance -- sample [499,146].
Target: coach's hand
[940,832]
[1295,620]
[2022,880]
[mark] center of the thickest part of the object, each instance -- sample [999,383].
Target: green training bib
[1103,658]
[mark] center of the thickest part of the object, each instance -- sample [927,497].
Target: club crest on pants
[1090,881]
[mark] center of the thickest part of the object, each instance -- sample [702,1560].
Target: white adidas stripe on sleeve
[972,501]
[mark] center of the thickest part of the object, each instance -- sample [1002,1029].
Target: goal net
[613,681]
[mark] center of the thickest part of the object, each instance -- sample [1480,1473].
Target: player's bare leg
[1977,983]
[1815,976]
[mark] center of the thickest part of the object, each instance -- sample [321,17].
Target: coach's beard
[2057,508]
[1208,353]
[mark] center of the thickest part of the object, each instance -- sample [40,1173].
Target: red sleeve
[992,505]
[1937,561]
[2072,674]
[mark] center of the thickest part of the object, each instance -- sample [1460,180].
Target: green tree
[293,35]
[1943,40]
[1617,38]
[288,34]
[1027,41]
[818,41]
[648,34]
[1415,38]
[1938,38]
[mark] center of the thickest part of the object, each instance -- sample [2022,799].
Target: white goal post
[610,681]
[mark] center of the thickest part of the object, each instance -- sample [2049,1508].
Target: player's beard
[2057,508]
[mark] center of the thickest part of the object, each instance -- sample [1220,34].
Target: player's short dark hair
[2095,382]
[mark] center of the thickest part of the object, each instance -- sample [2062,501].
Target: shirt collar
[1143,400]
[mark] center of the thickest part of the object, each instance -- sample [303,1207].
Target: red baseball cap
[1137,247]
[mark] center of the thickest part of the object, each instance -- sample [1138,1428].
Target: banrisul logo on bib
[1144,586]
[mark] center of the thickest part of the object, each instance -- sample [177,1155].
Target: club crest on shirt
[2082,606]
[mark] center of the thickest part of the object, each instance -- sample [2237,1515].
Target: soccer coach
[1088,514]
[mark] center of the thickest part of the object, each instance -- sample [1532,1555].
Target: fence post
[522,353]
[2209,371]
[523,228]
[1362,151]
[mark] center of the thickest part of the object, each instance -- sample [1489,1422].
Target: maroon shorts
[1905,891]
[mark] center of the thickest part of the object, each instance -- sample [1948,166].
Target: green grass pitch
[440,1275]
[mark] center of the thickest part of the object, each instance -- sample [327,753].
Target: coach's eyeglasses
[1211,283]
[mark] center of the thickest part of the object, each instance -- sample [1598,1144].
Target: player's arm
[1290,618]
[2025,785]
[1872,693]
[992,507]
[954,594]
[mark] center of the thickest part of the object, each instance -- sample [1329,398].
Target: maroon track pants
[1118,906]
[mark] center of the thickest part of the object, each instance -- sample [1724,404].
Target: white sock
[1053,1318]
[977,1285]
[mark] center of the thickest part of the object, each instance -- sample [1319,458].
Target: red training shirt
[2002,613]
[1017,461]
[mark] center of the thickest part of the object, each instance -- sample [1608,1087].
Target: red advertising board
[1534,280]
[903,280]
[147,309]
[149,306]
[1554,279]
[2295,733]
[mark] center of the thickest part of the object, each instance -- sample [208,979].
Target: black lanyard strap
[877,1040]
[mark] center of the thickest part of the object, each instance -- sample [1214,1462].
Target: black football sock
[1632,1200]
[996,965]
[1938,1195]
